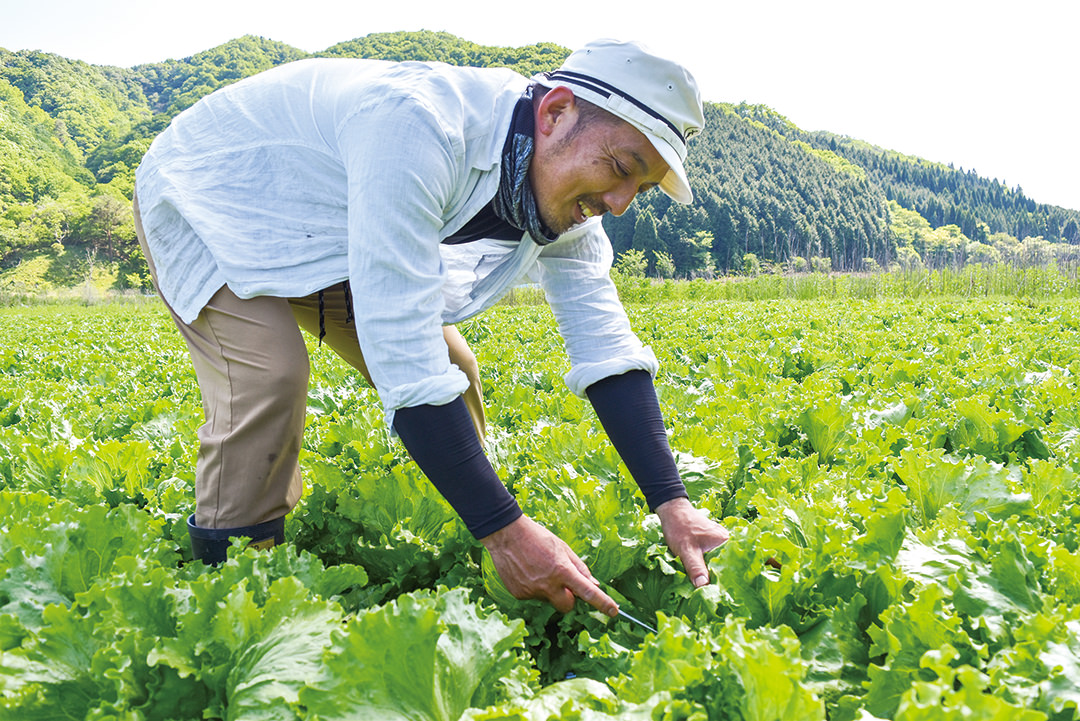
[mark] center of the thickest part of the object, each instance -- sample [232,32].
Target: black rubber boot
[209,544]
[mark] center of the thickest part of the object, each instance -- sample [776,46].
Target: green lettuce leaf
[934,480]
[425,656]
[958,695]
[147,641]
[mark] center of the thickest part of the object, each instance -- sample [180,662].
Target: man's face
[577,173]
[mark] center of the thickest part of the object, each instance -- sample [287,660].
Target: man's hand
[690,534]
[535,563]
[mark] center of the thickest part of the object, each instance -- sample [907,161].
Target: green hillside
[943,194]
[36,161]
[757,192]
[72,134]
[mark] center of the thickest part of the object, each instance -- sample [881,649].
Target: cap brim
[675,183]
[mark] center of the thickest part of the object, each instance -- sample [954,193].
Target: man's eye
[621,170]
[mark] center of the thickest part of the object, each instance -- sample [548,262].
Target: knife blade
[644,625]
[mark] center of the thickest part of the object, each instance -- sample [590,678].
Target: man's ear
[557,108]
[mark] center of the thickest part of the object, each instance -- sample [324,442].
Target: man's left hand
[690,534]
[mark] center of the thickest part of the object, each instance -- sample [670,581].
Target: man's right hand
[534,563]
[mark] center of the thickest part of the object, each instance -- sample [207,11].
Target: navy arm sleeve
[443,442]
[630,413]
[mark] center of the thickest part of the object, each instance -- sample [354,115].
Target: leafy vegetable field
[912,464]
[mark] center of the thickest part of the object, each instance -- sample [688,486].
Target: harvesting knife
[644,625]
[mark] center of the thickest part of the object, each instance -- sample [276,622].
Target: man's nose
[618,199]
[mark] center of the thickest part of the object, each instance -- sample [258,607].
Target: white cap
[657,96]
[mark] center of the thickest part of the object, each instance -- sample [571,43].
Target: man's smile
[589,210]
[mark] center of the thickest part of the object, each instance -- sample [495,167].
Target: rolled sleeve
[574,272]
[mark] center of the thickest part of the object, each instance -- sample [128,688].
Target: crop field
[912,463]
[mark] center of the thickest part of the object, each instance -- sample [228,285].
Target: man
[431,190]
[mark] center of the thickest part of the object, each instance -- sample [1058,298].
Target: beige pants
[252,367]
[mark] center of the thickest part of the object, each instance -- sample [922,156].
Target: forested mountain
[940,193]
[757,192]
[71,135]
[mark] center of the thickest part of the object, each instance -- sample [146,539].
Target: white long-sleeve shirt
[324,170]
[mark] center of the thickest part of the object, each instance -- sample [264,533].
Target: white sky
[987,85]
